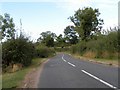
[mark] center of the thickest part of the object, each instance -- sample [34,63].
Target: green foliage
[86,20]
[7,27]
[43,51]
[47,38]
[49,41]
[13,80]
[112,42]
[62,49]
[105,46]
[60,41]
[79,48]
[71,35]
[19,50]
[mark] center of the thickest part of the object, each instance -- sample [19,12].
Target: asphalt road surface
[64,71]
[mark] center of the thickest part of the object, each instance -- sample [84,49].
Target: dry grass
[111,62]
[89,54]
[13,80]
[105,54]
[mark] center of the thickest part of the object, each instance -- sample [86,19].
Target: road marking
[104,82]
[63,58]
[68,62]
[71,64]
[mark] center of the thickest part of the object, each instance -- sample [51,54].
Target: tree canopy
[85,21]
[47,38]
[60,40]
[7,27]
[71,35]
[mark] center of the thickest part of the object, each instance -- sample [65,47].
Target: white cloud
[72,5]
[107,8]
[110,2]
[110,23]
[28,0]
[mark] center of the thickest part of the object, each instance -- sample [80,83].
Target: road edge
[31,79]
[91,60]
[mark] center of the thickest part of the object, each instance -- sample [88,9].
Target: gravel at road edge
[32,78]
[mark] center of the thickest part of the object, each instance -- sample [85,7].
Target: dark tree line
[85,21]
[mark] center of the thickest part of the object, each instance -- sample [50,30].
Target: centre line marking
[63,58]
[68,62]
[104,82]
[71,64]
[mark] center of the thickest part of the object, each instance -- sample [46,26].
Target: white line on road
[68,62]
[63,58]
[106,83]
[71,64]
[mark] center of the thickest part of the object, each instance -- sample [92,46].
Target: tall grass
[104,46]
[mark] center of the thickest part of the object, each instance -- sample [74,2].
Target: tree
[85,21]
[47,38]
[7,27]
[19,50]
[60,40]
[49,41]
[71,35]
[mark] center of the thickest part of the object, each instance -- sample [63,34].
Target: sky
[52,15]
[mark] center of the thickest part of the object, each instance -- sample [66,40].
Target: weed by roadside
[111,62]
[13,80]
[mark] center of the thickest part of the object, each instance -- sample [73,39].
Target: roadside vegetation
[90,40]
[14,80]
[104,46]
[19,53]
[85,38]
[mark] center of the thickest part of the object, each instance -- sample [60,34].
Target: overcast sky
[51,15]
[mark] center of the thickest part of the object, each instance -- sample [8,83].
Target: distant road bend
[63,71]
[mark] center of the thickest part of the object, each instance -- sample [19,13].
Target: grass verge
[13,80]
[111,62]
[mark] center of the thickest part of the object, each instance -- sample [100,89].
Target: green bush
[79,48]
[19,50]
[43,51]
[104,46]
[74,49]
[112,42]
[62,49]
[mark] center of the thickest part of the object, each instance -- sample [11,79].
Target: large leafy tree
[60,40]
[71,35]
[47,38]
[87,20]
[7,27]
